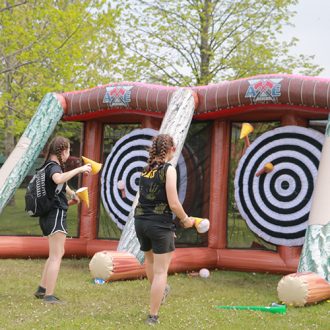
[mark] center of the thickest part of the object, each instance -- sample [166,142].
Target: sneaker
[40,293]
[166,293]
[152,319]
[50,299]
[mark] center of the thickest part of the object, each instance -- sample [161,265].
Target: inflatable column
[176,123]
[29,146]
[315,256]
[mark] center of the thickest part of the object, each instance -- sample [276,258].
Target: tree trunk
[205,51]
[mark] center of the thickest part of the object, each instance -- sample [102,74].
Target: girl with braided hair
[53,224]
[154,224]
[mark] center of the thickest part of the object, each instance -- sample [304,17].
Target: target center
[285,185]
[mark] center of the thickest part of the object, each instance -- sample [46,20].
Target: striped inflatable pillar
[315,256]
[29,146]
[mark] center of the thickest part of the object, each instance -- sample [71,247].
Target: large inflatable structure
[220,174]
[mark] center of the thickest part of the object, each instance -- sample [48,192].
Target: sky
[312,28]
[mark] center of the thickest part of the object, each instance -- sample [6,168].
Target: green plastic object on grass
[274,308]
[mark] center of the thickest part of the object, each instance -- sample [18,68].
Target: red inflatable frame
[300,99]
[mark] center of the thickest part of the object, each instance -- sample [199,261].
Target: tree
[196,42]
[52,46]
[8,5]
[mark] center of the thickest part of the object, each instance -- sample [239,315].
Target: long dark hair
[159,148]
[56,146]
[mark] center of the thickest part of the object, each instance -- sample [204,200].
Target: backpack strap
[58,188]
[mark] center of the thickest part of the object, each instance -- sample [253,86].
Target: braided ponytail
[56,146]
[160,146]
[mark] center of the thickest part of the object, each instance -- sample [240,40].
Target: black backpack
[37,203]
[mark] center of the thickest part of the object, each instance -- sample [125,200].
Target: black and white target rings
[121,174]
[276,205]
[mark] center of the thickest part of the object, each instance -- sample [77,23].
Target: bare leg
[43,277]
[160,268]
[52,267]
[149,265]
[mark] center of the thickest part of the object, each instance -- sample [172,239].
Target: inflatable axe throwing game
[258,190]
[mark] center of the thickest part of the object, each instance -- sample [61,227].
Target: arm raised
[59,178]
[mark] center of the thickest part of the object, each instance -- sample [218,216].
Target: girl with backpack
[53,224]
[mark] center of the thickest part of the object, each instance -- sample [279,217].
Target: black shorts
[154,236]
[54,221]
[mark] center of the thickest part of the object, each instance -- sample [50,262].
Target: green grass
[15,221]
[124,304]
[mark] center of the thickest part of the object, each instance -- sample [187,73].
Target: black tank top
[61,201]
[153,204]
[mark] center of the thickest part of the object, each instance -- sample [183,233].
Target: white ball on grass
[205,273]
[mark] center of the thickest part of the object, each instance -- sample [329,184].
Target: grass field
[124,304]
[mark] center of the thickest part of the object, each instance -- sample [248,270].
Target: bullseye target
[276,205]
[121,173]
